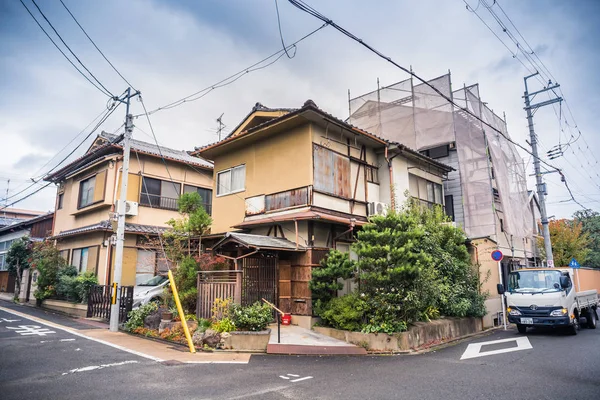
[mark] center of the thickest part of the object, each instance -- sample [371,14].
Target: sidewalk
[160,352]
[297,340]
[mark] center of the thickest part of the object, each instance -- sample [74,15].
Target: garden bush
[83,285]
[66,287]
[223,325]
[136,317]
[346,312]
[47,261]
[255,317]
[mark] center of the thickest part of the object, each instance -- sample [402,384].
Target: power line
[232,78]
[281,34]
[309,10]
[68,48]
[104,118]
[100,51]
[62,52]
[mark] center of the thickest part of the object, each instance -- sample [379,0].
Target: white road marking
[95,367]
[474,349]
[10,320]
[66,340]
[302,379]
[72,332]
[283,377]
[26,330]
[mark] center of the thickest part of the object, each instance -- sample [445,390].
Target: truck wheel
[522,328]
[591,320]
[574,329]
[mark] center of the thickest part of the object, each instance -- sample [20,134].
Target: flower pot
[166,316]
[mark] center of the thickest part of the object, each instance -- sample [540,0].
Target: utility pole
[540,185]
[116,298]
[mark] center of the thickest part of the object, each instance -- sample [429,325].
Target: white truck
[546,297]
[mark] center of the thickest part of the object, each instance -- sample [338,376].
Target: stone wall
[421,334]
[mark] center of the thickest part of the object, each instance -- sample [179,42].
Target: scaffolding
[490,174]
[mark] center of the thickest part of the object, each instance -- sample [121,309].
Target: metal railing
[166,203]
[281,314]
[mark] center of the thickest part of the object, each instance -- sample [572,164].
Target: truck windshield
[535,281]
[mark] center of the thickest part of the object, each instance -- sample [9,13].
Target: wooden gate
[259,280]
[215,285]
[99,302]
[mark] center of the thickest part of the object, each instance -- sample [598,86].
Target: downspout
[296,226]
[343,233]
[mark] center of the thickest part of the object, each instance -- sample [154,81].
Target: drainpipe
[296,225]
[346,231]
[389,161]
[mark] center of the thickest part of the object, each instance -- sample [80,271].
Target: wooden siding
[290,198]
[41,229]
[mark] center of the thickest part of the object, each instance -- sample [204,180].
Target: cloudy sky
[169,50]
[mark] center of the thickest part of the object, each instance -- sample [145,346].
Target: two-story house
[88,189]
[290,184]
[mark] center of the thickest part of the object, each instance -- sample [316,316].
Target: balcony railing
[166,203]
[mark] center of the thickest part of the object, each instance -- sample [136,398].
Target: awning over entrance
[258,242]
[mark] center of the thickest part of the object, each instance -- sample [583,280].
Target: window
[231,180]
[86,192]
[64,255]
[437,152]
[3,265]
[145,265]
[59,205]
[449,206]
[372,174]
[85,259]
[205,195]
[160,194]
[426,191]
[331,172]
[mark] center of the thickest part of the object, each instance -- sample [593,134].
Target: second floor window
[61,196]
[86,192]
[205,195]
[160,194]
[231,180]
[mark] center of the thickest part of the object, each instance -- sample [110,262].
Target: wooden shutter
[92,263]
[133,187]
[331,172]
[100,186]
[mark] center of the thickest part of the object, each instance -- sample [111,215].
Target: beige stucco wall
[283,161]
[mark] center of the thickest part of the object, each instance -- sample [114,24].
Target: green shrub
[136,317]
[223,325]
[346,312]
[255,317]
[326,280]
[83,285]
[203,325]
[67,284]
[47,260]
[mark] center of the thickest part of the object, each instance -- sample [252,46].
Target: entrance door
[259,280]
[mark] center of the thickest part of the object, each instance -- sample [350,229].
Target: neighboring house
[9,216]
[290,184]
[89,187]
[486,193]
[36,228]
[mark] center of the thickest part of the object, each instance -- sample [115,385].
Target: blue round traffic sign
[497,255]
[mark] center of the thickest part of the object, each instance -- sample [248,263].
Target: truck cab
[546,297]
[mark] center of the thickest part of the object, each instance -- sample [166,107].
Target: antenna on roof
[221,126]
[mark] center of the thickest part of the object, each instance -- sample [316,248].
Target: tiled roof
[25,222]
[149,148]
[107,226]
[261,241]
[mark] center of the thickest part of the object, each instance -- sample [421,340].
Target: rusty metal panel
[290,198]
[255,205]
[331,172]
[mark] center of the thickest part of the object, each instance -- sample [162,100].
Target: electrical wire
[104,118]
[309,10]
[68,48]
[97,48]
[232,78]
[62,52]
[281,34]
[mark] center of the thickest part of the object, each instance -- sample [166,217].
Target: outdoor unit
[378,208]
[131,208]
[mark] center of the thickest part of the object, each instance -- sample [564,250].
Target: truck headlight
[512,311]
[559,313]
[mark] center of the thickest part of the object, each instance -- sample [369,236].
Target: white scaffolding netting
[491,173]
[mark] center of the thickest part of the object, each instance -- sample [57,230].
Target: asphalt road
[37,364]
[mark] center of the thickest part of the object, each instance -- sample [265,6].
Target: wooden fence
[99,302]
[216,285]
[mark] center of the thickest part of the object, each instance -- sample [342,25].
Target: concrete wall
[73,309]
[418,336]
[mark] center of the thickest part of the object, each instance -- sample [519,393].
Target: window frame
[79,197]
[151,200]
[372,174]
[60,201]
[230,170]
[207,204]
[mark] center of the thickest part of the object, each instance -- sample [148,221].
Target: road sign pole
[502,295]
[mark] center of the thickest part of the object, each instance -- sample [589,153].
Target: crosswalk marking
[27,330]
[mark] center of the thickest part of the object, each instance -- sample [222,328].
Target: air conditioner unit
[131,208]
[378,208]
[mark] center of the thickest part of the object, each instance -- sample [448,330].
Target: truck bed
[587,298]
